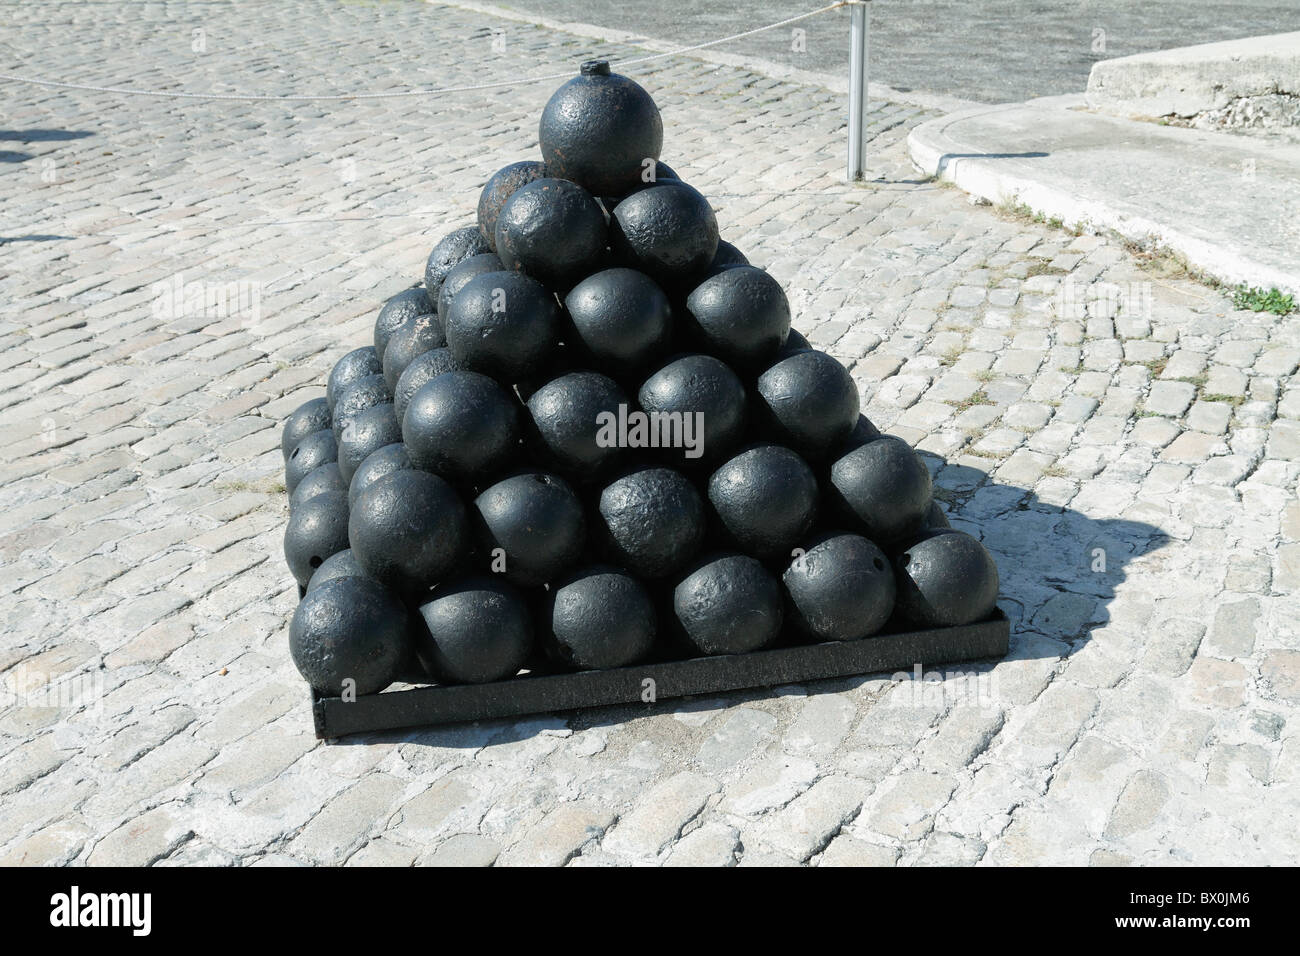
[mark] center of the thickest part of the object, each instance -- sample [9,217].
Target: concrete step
[1253,82]
[1228,204]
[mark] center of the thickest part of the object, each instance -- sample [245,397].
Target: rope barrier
[548,77]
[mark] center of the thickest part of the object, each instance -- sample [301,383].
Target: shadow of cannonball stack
[590,438]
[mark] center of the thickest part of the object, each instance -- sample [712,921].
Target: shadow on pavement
[35,136]
[36,237]
[1059,572]
[948,157]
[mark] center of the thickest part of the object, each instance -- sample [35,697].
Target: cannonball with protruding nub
[600,130]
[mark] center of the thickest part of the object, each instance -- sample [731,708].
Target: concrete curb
[1017,175]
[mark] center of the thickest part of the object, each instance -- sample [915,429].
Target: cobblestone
[1134,475]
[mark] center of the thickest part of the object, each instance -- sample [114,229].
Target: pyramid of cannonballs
[591,438]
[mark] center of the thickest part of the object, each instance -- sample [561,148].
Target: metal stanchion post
[858,91]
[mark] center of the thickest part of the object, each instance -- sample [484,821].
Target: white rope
[167,94]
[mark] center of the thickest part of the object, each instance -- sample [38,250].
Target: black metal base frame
[657,681]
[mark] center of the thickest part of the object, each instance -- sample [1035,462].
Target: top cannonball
[669,232]
[599,129]
[497,190]
[741,315]
[453,249]
[552,229]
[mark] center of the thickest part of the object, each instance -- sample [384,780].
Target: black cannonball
[409,529]
[382,461]
[599,129]
[881,489]
[841,588]
[404,305]
[349,630]
[453,249]
[651,521]
[669,233]
[462,273]
[341,564]
[705,393]
[728,255]
[651,175]
[662,171]
[317,528]
[945,578]
[740,315]
[356,398]
[935,518]
[598,617]
[461,425]
[554,230]
[319,480]
[475,630]
[795,342]
[302,421]
[502,324]
[370,430]
[352,367]
[318,448]
[423,368]
[534,524]
[500,187]
[621,318]
[574,419]
[728,604]
[863,432]
[414,337]
[810,402]
[765,499]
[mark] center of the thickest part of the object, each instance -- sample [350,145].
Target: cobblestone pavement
[994,51]
[1134,474]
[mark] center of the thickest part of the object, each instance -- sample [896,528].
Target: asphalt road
[988,50]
